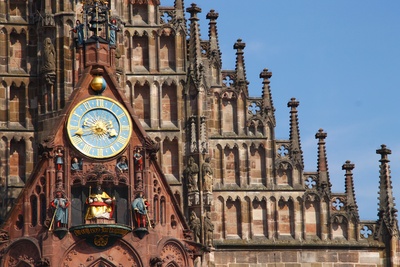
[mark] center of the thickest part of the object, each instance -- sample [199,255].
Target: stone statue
[207,175]
[79,30]
[49,55]
[76,165]
[209,229]
[138,159]
[113,32]
[59,159]
[122,164]
[195,226]
[191,175]
[140,206]
[60,203]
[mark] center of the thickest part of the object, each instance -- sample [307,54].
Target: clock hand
[90,133]
[83,132]
[110,129]
[79,132]
[112,132]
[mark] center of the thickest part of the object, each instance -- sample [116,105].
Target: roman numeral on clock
[87,105]
[86,149]
[76,140]
[100,102]
[120,116]
[122,140]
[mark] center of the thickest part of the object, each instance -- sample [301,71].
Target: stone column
[154,105]
[153,52]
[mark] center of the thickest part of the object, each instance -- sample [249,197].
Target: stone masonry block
[224,258]
[348,257]
[289,256]
[309,256]
[269,257]
[370,257]
[246,257]
[327,256]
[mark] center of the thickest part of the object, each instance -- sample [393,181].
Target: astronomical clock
[99,127]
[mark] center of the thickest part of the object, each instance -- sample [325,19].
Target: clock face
[99,127]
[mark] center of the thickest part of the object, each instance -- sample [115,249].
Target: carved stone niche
[193,199]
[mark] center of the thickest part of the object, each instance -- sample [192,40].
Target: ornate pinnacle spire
[295,147]
[215,52]
[241,81]
[179,4]
[268,105]
[179,9]
[387,213]
[349,187]
[196,67]
[324,182]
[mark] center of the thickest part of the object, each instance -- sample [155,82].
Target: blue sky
[341,60]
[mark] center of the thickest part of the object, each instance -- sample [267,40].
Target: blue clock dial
[99,127]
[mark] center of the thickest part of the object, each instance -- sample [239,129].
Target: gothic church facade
[125,143]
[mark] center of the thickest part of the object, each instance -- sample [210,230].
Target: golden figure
[100,205]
